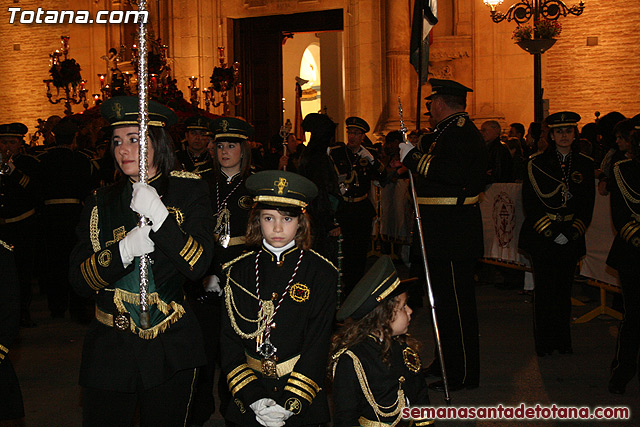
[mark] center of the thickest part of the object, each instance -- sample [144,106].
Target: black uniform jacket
[191,163]
[11,406]
[383,380]
[302,330]
[625,211]
[20,191]
[66,174]
[183,249]
[233,195]
[450,163]
[546,213]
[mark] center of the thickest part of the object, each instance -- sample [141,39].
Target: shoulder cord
[260,302]
[221,205]
[539,192]
[624,189]
[366,390]
[264,315]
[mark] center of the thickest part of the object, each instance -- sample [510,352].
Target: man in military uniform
[66,182]
[357,167]
[19,198]
[449,178]
[195,157]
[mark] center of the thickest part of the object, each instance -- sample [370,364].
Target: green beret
[379,283]
[198,122]
[13,129]
[123,110]
[447,87]
[281,189]
[231,127]
[562,119]
[358,123]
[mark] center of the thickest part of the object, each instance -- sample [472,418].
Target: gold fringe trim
[185,174]
[178,311]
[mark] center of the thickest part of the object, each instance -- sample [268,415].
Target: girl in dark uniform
[624,257]
[280,301]
[377,370]
[124,365]
[231,205]
[558,194]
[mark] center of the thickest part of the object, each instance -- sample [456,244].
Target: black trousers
[553,278]
[356,225]
[455,300]
[165,405]
[625,362]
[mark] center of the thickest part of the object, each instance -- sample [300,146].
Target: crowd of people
[256,255]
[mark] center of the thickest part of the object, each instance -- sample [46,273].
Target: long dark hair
[164,158]
[245,161]
[377,323]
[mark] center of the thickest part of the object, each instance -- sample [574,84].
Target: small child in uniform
[280,302]
[376,368]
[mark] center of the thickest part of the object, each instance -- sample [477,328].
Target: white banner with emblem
[502,217]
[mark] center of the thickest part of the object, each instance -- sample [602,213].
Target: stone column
[401,78]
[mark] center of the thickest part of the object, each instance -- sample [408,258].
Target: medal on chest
[222,230]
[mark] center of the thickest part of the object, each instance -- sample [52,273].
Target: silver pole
[143,107]
[436,330]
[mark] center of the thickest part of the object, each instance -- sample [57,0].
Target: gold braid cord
[625,188]
[94,231]
[264,316]
[366,390]
[562,186]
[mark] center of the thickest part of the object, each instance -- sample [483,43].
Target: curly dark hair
[377,322]
[253,236]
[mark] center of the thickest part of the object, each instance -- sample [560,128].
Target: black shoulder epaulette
[619,162]
[233,261]
[323,258]
[537,153]
[185,174]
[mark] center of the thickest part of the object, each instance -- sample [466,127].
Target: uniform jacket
[112,358]
[10,395]
[384,382]
[303,329]
[66,174]
[625,211]
[191,163]
[546,214]
[451,163]
[20,191]
[235,196]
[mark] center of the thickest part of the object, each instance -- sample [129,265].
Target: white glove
[259,406]
[275,414]
[405,147]
[365,154]
[146,201]
[212,284]
[136,243]
[561,239]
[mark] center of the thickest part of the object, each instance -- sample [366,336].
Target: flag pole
[143,108]
[420,53]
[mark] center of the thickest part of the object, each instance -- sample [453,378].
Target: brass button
[275,389]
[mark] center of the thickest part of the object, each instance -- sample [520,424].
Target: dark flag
[421,25]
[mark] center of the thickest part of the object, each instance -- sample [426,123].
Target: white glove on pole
[146,201]
[365,154]
[212,284]
[136,243]
[405,147]
[561,239]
